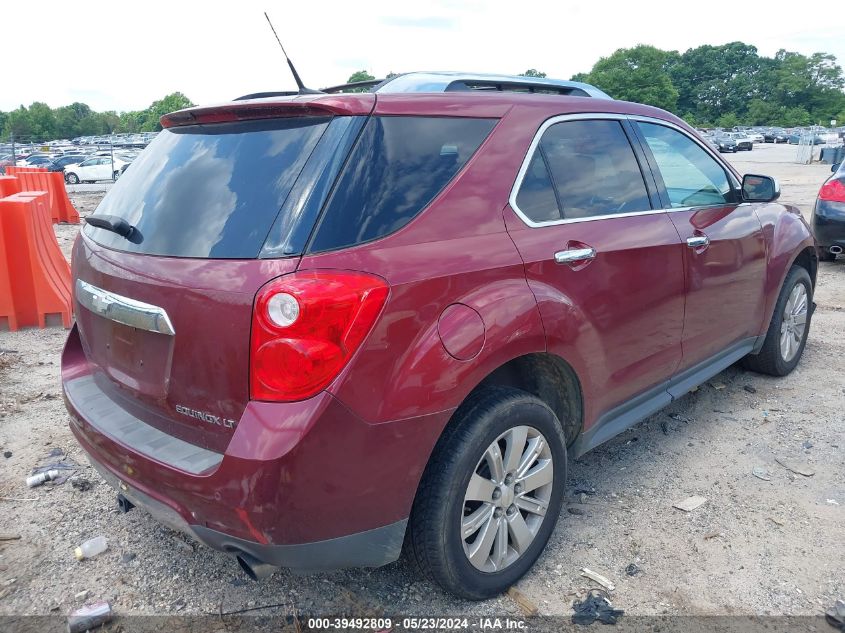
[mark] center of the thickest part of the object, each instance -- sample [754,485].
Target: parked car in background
[743,143]
[6,160]
[828,219]
[94,169]
[59,164]
[35,160]
[756,137]
[724,143]
[776,135]
[808,138]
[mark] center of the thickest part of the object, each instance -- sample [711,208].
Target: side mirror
[759,188]
[835,166]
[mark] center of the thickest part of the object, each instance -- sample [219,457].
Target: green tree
[170,103]
[727,120]
[813,83]
[532,72]
[716,80]
[19,124]
[361,75]
[636,74]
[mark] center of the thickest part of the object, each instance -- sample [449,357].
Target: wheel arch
[789,242]
[546,376]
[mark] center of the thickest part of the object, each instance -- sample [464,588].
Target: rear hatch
[221,202]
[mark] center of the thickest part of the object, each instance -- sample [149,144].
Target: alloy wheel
[507,497]
[794,322]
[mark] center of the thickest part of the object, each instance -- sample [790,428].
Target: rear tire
[784,343]
[498,429]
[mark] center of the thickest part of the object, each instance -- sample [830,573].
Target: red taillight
[303,338]
[833,191]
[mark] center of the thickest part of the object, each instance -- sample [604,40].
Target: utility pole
[14,158]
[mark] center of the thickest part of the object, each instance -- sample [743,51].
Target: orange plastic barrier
[32,263]
[8,310]
[12,170]
[61,209]
[60,205]
[8,186]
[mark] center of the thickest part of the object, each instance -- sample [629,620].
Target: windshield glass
[209,191]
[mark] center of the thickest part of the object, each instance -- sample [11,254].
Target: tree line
[40,122]
[723,86]
[726,85]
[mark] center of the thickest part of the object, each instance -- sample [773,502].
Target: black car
[828,221]
[724,143]
[775,136]
[63,161]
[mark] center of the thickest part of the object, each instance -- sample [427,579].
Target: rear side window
[582,169]
[210,191]
[398,166]
[536,198]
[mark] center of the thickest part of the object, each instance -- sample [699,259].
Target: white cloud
[123,56]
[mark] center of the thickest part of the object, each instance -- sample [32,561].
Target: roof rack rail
[457,81]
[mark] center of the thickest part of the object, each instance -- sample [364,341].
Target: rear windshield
[209,191]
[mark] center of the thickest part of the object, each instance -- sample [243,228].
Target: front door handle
[698,241]
[572,255]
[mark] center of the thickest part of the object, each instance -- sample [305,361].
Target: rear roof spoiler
[295,106]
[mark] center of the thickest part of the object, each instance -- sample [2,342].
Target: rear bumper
[372,548]
[828,224]
[306,485]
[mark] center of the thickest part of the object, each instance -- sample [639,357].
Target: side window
[397,167]
[536,197]
[692,177]
[593,170]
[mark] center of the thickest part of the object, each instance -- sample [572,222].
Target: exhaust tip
[836,249]
[253,567]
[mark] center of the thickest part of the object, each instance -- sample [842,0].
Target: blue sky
[102,53]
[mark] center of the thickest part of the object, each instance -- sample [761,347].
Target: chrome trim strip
[138,314]
[612,116]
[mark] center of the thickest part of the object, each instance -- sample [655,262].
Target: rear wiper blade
[114,224]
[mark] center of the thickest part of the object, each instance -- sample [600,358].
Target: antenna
[302,89]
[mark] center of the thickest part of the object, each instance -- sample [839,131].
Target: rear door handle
[698,241]
[572,255]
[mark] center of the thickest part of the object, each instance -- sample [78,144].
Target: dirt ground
[755,547]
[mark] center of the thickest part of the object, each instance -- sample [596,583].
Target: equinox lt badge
[206,417]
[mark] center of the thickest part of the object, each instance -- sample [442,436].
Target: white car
[93,169]
[757,137]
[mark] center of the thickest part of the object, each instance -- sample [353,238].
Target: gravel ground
[756,547]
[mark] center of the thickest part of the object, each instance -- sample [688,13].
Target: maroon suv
[311,328]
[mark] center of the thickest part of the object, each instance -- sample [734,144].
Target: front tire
[72,179]
[787,333]
[490,495]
